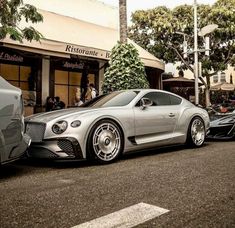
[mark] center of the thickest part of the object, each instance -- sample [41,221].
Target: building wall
[92,11]
[60,74]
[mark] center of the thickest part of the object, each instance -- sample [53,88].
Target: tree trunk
[207,96]
[207,92]
[122,21]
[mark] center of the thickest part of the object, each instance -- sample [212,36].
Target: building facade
[72,51]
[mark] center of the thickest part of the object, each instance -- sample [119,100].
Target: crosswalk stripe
[126,218]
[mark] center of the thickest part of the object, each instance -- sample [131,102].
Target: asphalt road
[197,186]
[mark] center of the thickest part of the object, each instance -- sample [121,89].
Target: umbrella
[225,86]
[179,82]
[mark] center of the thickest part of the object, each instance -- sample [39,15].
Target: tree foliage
[11,14]
[125,71]
[157,29]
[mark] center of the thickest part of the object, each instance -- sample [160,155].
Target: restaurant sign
[75,65]
[89,52]
[11,57]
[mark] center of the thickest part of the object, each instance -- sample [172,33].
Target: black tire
[105,142]
[196,132]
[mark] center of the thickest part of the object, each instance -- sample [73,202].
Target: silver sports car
[117,123]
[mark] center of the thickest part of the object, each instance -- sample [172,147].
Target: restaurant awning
[65,36]
[225,86]
[179,82]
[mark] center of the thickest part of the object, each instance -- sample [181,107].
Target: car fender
[127,130]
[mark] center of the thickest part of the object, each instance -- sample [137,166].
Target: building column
[101,76]
[45,78]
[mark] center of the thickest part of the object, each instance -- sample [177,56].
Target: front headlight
[59,127]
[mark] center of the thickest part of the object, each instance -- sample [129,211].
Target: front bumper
[222,132]
[19,150]
[59,148]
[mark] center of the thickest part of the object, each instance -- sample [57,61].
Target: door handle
[171,115]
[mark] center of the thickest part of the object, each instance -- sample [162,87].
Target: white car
[117,123]
[13,141]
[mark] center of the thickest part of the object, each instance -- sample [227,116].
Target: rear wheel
[105,141]
[196,132]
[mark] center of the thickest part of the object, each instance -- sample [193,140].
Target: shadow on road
[27,165]
[161,150]
[11,170]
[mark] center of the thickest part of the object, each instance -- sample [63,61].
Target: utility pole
[196,54]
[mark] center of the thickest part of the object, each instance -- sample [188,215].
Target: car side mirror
[145,102]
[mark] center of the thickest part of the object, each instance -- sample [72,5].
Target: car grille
[35,152]
[35,131]
[66,146]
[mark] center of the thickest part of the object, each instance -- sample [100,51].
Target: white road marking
[126,218]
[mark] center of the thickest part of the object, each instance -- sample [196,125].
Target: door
[156,124]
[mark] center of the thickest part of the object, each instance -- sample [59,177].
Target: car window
[160,98]
[175,100]
[119,98]
[163,99]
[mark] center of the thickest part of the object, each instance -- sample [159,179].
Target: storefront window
[75,78]
[67,83]
[10,72]
[70,77]
[24,73]
[61,77]
[16,75]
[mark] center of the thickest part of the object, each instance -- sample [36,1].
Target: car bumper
[19,150]
[222,132]
[61,148]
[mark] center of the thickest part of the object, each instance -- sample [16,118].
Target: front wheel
[196,132]
[105,141]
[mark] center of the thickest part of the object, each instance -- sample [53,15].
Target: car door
[156,123]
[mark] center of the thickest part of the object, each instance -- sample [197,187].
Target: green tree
[11,14]
[125,71]
[157,29]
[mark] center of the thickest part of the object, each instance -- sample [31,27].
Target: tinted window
[119,98]
[163,99]
[175,100]
[159,99]
[151,96]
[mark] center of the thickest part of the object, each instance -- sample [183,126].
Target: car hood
[59,114]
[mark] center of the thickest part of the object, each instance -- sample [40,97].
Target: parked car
[222,126]
[117,123]
[13,141]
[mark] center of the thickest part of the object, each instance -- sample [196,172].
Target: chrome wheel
[107,141]
[197,132]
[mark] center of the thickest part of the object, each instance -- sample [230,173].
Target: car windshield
[118,98]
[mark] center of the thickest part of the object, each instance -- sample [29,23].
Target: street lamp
[203,32]
[195,53]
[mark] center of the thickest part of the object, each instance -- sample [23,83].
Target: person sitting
[49,104]
[58,104]
[94,92]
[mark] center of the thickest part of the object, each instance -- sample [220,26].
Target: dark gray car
[13,141]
